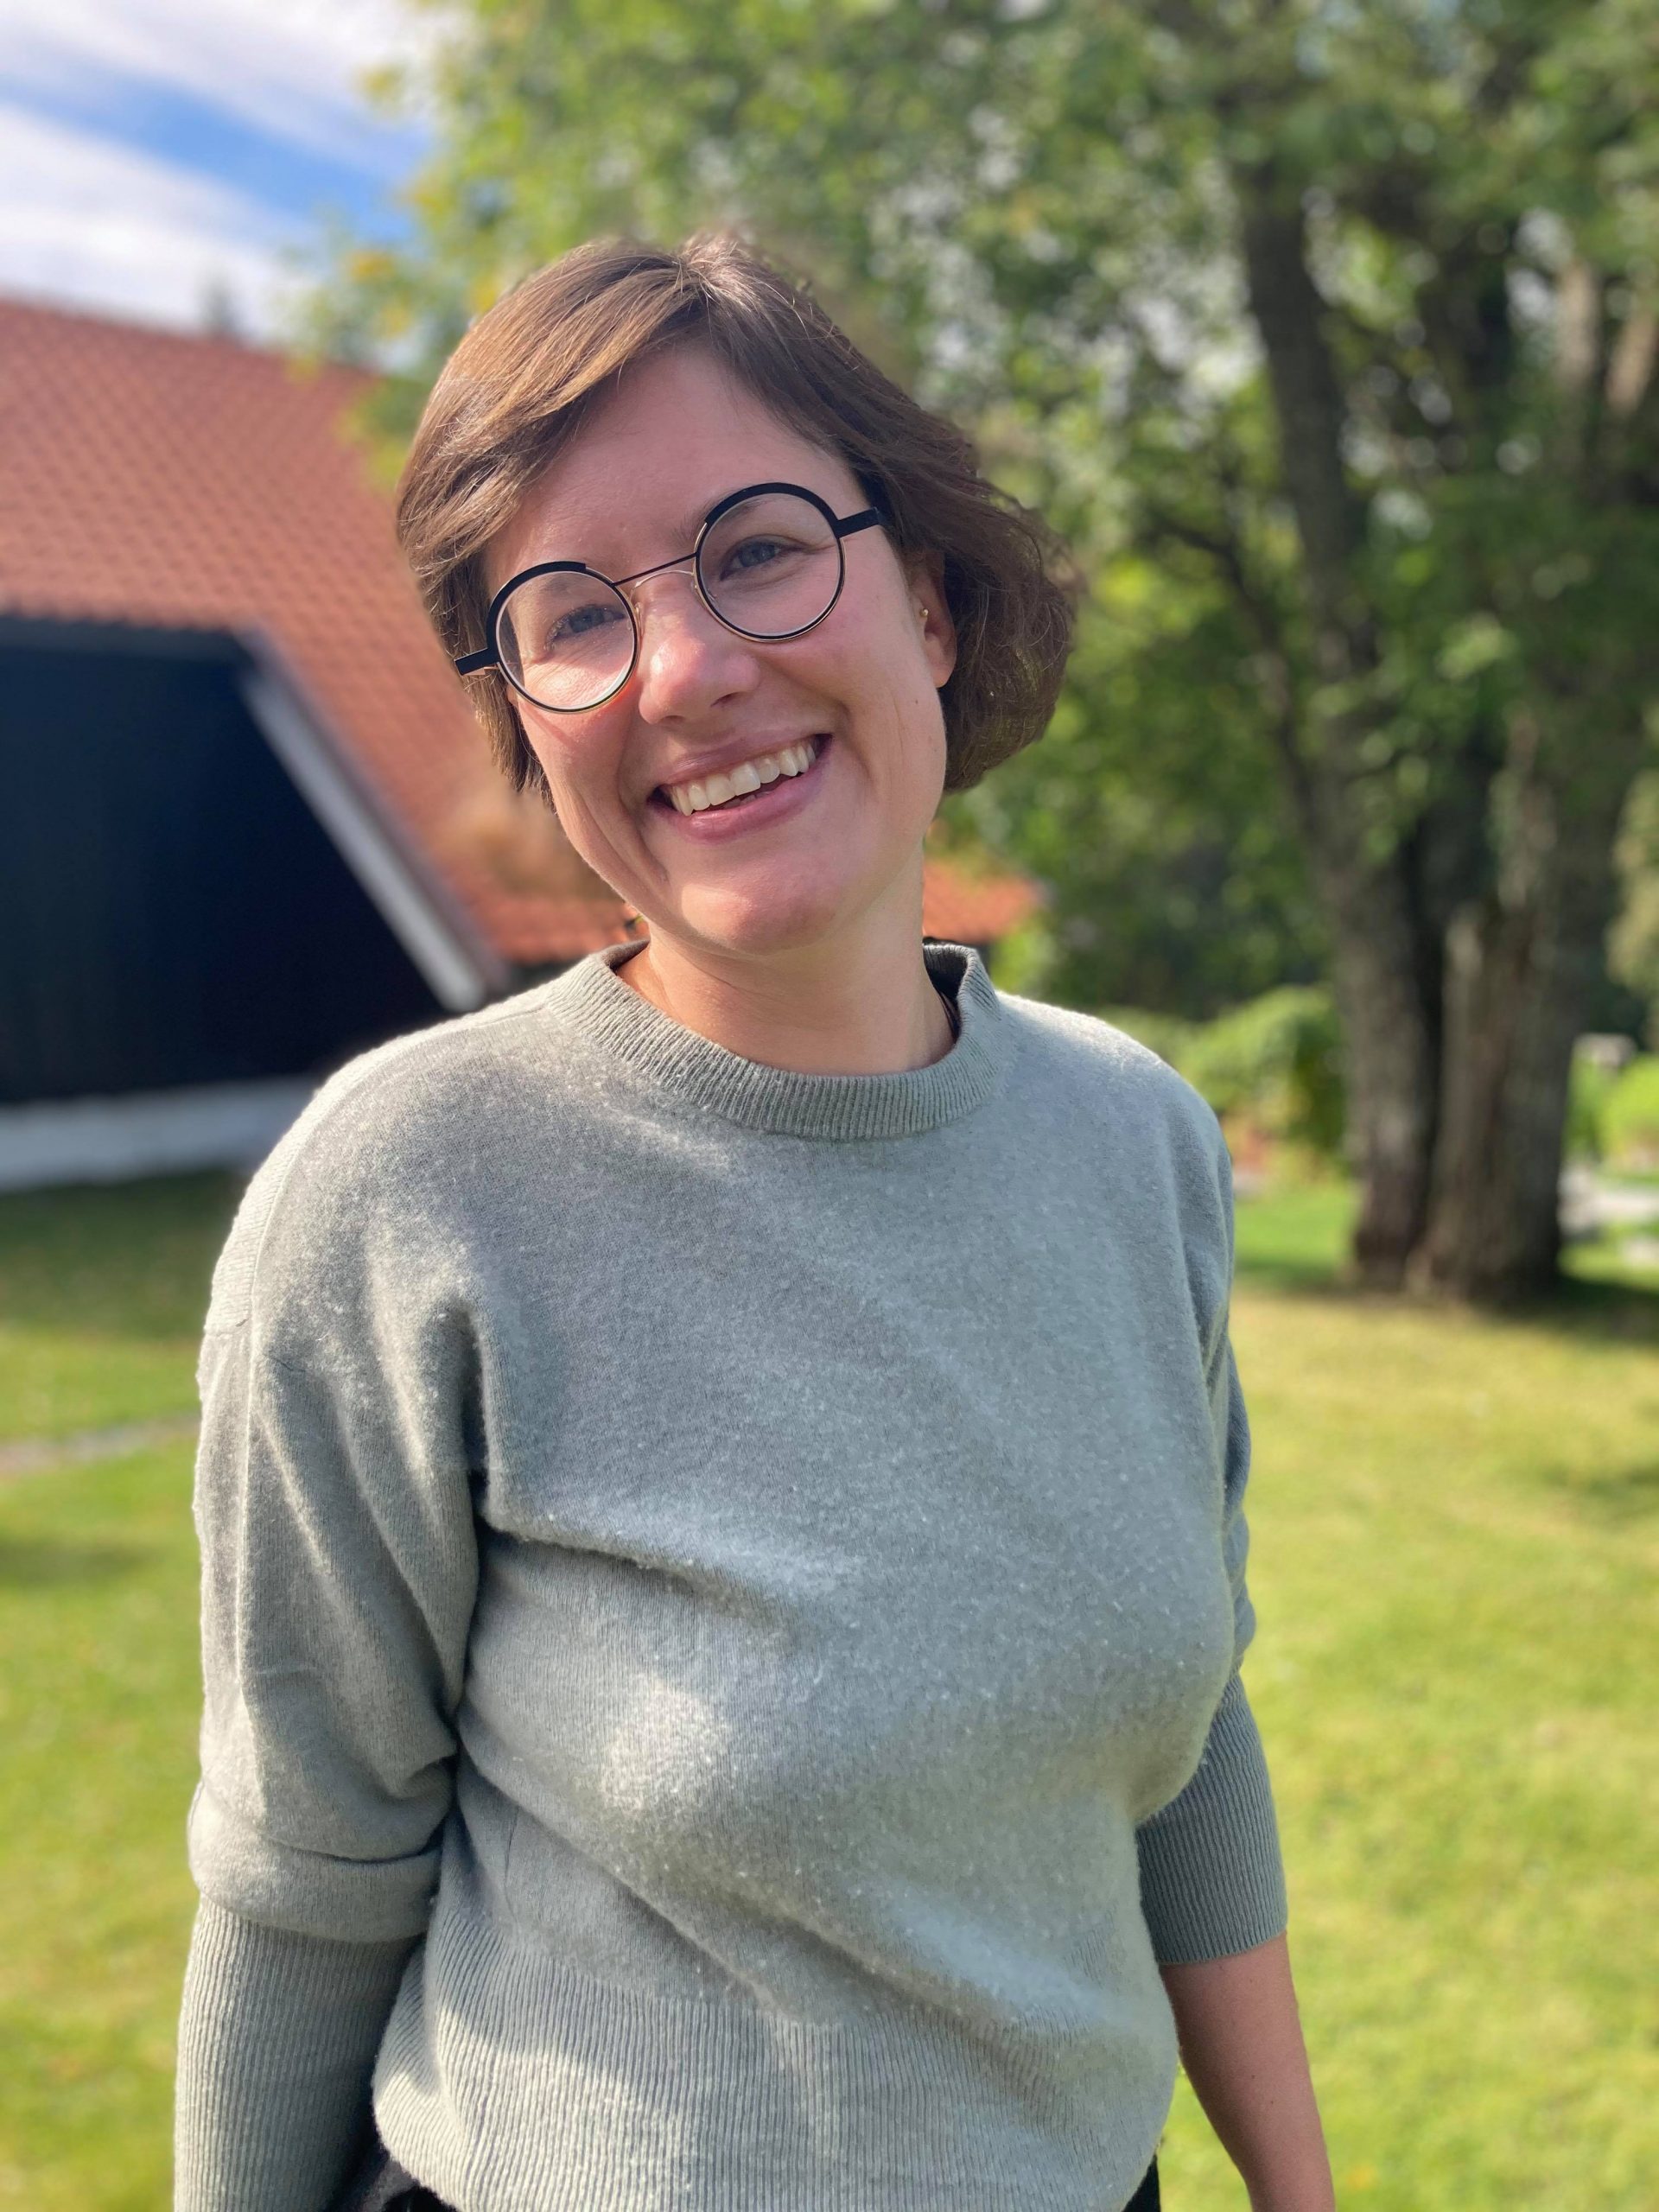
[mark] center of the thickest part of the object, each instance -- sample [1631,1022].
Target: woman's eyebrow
[687,529]
[683,533]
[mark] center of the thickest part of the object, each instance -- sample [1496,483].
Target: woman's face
[843,849]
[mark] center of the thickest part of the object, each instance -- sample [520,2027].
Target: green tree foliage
[1327,330]
[1152,813]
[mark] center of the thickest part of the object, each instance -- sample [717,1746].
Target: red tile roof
[176,481]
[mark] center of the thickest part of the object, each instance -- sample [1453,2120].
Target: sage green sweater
[723,1592]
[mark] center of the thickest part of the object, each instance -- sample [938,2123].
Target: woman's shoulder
[1129,1123]
[1115,1071]
[381,1149]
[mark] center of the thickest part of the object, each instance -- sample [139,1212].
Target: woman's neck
[889,1018]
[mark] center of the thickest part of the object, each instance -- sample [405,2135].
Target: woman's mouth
[757,810]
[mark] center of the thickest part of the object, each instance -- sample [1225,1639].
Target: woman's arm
[1212,1876]
[340,1571]
[277,2038]
[1241,2039]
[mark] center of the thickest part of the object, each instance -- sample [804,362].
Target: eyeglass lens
[769,566]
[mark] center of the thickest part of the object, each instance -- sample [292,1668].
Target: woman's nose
[688,660]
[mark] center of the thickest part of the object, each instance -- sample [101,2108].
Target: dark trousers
[1145,2197]
[380,2184]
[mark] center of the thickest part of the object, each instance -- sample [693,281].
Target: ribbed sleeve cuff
[277,2040]
[1213,1879]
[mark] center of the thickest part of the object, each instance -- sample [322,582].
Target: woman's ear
[933,611]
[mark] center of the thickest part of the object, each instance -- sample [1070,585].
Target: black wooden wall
[171,912]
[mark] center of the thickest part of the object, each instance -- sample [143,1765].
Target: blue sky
[155,154]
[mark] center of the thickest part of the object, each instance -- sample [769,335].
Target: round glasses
[767,562]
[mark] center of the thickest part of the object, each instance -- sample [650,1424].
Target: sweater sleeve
[333,1508]
[1212,1873]
[277,2040]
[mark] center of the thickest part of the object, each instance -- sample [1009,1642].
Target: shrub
[1166,1034]
[1275,1063]
[1023,958]
[1630,1115]
[1589,1088]
[1272,1064]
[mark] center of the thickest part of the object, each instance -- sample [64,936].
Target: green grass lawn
[1455,1527]
[103,1290]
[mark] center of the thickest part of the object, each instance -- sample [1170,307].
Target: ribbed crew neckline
[692,1071]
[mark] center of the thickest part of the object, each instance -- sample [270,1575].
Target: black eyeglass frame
[841,526]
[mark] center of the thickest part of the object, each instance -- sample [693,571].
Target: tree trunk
[1388,1033]
[1464,955]
[1391,1068]
[1521,961]
[1493,1234]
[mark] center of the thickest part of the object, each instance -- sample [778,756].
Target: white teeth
[749,776]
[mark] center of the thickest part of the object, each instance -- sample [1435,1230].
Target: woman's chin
[756,917]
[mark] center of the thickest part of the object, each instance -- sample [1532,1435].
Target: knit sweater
[723,1595]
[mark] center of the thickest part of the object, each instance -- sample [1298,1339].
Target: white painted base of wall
[150,1133]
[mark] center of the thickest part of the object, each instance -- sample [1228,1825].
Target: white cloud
[90,217]
[98,226]
[293,71]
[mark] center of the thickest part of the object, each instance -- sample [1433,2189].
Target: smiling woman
[818,889]
[670,523]
[720,1476]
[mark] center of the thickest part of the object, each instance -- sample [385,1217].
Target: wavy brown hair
[517,388]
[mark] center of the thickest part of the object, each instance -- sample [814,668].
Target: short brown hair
[516,388]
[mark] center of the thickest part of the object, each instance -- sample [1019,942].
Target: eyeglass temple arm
[470,663]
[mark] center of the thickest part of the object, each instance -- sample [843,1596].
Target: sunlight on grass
[1298,1237]
[1295,1238]
[103,1289]
[98,1694]
[1455,1529]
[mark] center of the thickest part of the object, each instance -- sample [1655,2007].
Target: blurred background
[1327,333]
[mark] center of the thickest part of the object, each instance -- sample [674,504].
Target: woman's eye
[757,552]
[579,622]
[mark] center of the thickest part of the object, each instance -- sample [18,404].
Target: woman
[721,1475]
